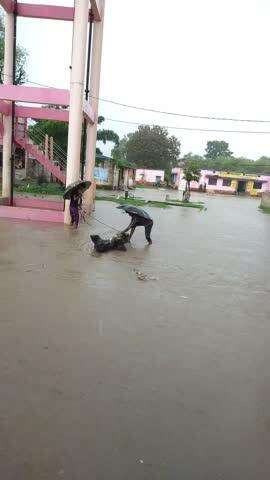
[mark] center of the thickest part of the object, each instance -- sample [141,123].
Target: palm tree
[105,135]
[191,174]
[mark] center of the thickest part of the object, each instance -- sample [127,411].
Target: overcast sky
[207,57]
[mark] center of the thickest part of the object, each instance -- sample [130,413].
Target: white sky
[205,57]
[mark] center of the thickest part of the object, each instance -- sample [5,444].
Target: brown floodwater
[105,376]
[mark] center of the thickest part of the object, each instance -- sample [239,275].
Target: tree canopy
[191,173]
[59,132]
[21,57]
[149,147]
[119,152]
[228,162]
[216,149]
[232,164]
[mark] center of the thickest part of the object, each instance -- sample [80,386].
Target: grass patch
[43,189]
[179,203]
[198,205]
[150,203]
[132,201]
[264,209]
[154,203]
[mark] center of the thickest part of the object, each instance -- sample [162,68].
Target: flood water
[104,376]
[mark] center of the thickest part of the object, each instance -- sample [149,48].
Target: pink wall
[149,176]
[35,209]
[219,187]
[32,202]
[34,214]
[266,185]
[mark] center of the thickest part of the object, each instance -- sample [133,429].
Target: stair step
[42,159]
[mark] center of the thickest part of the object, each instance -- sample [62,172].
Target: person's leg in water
[131,226]
[74,213]
[132,230]
[71,211]
[148,229]
[76,217]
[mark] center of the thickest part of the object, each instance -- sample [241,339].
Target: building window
[226,182]
[212,181]
[257,185]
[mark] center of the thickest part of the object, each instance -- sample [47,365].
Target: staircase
[33,144]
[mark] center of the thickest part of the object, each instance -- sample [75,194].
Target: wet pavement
[106,376]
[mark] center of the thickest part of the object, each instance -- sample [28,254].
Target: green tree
[216,149]
[21,57]
[230,163]
[191,174]
[152,147]
[59,132]
[191,157]
[262,165]
[105,135]
[119,152]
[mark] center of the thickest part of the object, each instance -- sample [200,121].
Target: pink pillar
[94,94]
[76,95]
[46,145]
[8,79]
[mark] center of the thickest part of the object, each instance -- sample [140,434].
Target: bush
[41,179]
[43,189]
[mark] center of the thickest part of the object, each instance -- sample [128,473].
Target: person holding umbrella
[74,193]
[75,207]
[139,218]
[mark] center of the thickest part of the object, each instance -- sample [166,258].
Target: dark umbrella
[73,187]
[131,210]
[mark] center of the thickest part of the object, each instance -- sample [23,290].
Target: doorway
[241,186]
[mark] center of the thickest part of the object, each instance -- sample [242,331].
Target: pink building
[24,102]
[225,182]
[149,176]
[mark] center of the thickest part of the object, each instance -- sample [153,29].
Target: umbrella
[73,187]
[131,210]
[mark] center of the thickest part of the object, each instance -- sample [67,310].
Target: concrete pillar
[51,152]
[115,177]
[26,163]
[51,156]
[125,177]
[90,156]
[80,24]
[46,145]
[265,201]
[47,174]
[7,123]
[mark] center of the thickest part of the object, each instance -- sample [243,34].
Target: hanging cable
[102,223]
[188,128]
[164,112]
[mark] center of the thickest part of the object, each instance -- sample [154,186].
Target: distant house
[113,174]
[103,171]
[225,182]
[149,177]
